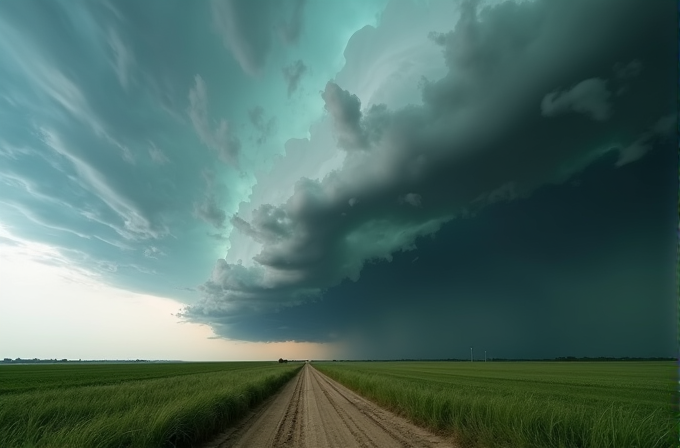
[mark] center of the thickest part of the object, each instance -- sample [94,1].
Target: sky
[384,179]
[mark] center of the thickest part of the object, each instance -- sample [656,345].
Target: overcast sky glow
[313,178]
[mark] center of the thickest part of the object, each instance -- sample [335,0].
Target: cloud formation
[291,30]
[157,155]
[210,212]
[480,136]
[590,97]
[122,58]
[265,128]
[248,28]
[629,70]
[220,139]
[119,97]
[208,209]
[292,73]
[111,148]
[345,109]
[662,130]
[413,199]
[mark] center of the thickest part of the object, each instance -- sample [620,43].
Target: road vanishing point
[314,411]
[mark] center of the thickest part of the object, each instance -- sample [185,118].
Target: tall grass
[167,412]
[21,378]
[501,406]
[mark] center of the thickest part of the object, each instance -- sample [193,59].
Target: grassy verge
[541,405]
[175,411]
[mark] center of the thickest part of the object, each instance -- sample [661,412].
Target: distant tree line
[54,361]
[32,361]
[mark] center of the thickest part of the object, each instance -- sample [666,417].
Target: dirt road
[314,411]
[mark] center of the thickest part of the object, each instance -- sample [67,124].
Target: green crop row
[22,378]
[541,405]
[175,411]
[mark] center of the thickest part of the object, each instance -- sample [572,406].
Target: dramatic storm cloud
[496,122]
[404,178]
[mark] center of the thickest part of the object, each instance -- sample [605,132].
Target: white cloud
[385,64]
[136,225]
[157,155]
[153,252]
[122,58]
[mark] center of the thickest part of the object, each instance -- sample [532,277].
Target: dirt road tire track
[314,411]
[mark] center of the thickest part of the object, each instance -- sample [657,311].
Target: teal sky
[239,159]
[107,157]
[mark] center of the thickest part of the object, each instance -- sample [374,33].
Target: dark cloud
[268,225]
[625,73]
[662,130]
[590,97]
[480,138]
[413,199]
[586,271]
[345,108]
[292,73]
[264,127]
[629,70]
[248,28]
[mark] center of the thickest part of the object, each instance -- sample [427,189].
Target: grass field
[129,405]
[527,404]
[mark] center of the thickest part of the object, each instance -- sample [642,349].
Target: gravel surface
[313,411]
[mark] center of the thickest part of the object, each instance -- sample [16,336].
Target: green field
[129,405]
[527,404]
